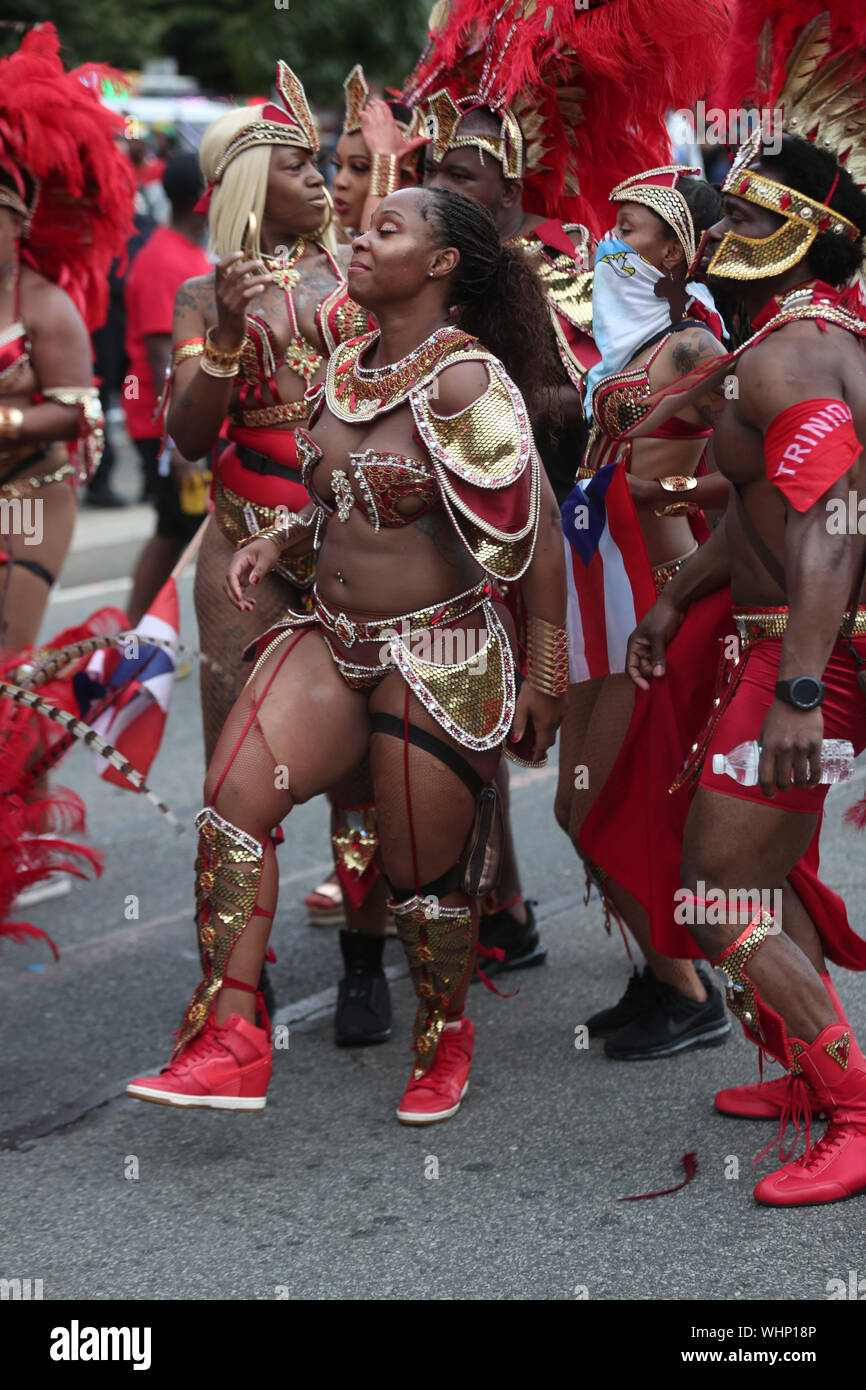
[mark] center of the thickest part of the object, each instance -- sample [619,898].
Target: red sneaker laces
[435,1079]
[206,1043]
[825,1147]
[797,1108]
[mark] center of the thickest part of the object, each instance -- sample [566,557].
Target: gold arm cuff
[282,534]
[11,421]
[384,175]
[546,656]
[180,354]
[676,483]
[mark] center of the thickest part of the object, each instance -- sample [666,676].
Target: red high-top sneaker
[224,1067]
[765,1100]
[834,1167]
[437,1095]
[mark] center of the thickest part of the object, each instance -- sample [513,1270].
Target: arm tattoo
[688,352]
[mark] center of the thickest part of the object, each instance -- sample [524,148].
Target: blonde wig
[243,187]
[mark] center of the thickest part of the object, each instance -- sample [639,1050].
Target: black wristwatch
[803,692]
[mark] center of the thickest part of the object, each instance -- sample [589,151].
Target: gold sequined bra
[482,458]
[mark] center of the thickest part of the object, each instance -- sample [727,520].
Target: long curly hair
[496,294]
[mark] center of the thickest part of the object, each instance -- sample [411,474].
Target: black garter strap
[449,882]
[436,747]
[452,879]
[33,566]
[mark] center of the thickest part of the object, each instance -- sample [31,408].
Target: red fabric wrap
[263,488]
[808,448]
[667,720]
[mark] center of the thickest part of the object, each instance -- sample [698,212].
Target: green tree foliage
[231,46]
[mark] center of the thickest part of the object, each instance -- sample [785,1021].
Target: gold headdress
[291,123]
[819,89]
[444,116]
[657,189]
[357,93]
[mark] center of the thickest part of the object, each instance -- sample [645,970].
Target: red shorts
[844,711]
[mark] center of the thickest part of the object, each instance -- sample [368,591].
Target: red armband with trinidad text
[808,448]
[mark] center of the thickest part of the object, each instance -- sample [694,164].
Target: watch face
[805,691]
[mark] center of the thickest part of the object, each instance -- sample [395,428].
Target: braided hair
[496,294]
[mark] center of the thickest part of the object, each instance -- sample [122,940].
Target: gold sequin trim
[741,997]
[840,1050]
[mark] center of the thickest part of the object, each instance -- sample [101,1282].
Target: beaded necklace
[355,393]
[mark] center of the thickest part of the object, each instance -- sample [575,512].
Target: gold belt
[380,629]
[284,412]
[57,475]
[754,626]
[239,519]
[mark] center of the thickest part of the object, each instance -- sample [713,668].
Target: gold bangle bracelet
[212,369]
[677,509]
[11,421]
[384,175]
[220,357]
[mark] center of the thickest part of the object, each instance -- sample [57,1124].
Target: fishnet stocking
[224,632]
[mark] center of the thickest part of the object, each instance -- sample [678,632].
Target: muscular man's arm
[818,570]
[818,565]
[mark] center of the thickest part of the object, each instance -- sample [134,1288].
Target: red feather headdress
[589,86]
[54,130]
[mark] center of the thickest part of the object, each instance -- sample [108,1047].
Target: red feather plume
[600,80]
[53,127]
[763,36]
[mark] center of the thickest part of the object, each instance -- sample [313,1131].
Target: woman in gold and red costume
[264,159]
[65,211]
[427,492]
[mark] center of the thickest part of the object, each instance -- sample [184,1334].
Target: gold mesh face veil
[757,258]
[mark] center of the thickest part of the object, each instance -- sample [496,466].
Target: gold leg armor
[761,1024]
[438,945]
[228,872]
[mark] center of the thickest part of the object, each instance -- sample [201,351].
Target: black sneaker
[672,1023]
[519,941]
[639,994]
[363,998]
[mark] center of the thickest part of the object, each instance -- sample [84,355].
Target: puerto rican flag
[608,574]
[141,677]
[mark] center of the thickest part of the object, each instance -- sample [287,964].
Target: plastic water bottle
[837,762]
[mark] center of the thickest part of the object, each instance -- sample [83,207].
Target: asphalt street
[324,1195]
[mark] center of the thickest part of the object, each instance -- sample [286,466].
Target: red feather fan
[599,79]
[53,127]
[33,830]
